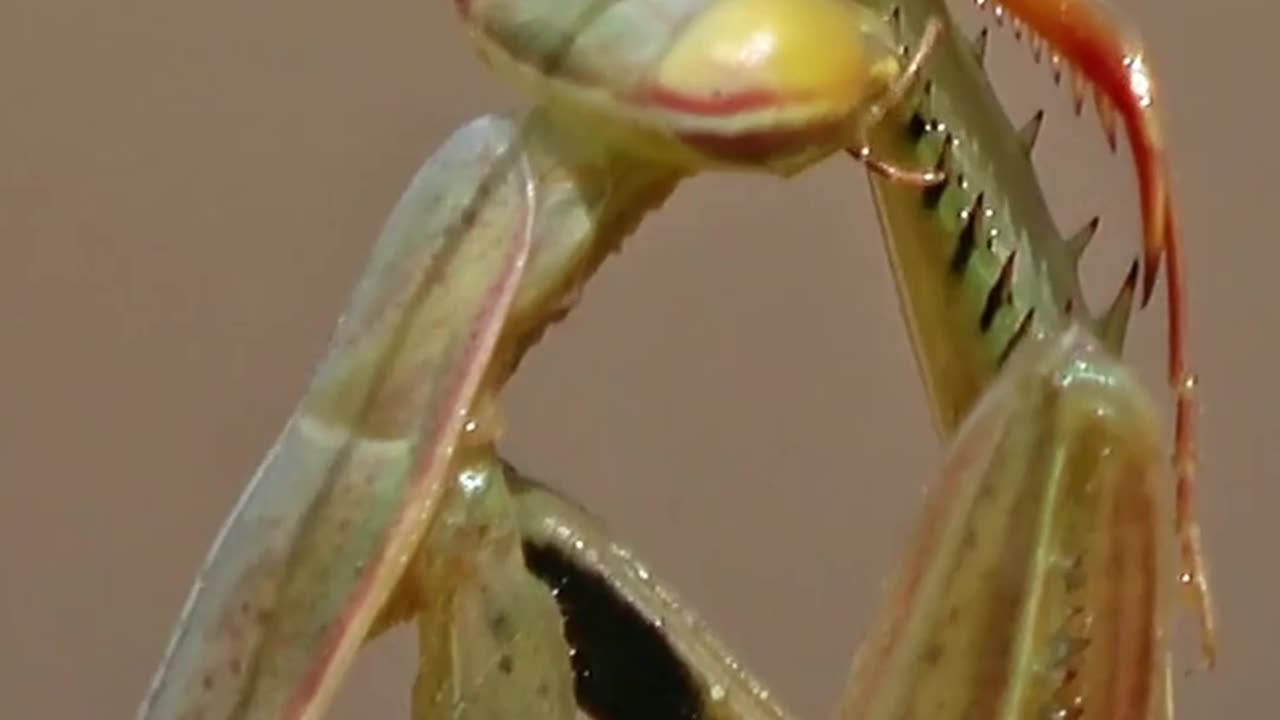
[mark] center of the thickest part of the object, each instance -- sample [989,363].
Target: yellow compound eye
[832,55]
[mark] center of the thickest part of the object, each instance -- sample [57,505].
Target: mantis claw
[893,97]
[888,170]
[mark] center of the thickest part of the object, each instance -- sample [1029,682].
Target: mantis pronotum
[384,500]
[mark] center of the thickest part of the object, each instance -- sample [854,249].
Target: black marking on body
[895,24]
[999,295]
[967,240]
[500,625]
[922,125]
[933,194]
[980,46]
[624,667]
[917,127]
[1021,332]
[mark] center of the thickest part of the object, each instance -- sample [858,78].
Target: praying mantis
[1034,584]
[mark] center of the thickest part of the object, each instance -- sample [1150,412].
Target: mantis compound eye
[781,83]
[798,60]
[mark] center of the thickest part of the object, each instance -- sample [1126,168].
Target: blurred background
[187,191]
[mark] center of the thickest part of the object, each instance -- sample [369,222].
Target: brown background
[186,193]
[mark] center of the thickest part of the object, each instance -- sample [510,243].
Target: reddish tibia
[1088,36]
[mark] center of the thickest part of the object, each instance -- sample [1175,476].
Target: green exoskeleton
[384,500]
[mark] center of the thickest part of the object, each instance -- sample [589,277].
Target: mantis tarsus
[1033,588]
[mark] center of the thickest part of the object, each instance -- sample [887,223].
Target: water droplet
[471,481]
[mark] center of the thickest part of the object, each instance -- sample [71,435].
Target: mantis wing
[1032,587]
[329,521]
